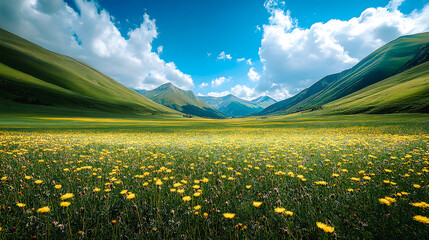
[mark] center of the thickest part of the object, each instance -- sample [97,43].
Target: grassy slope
[379,65]
[182,101]
[32,77]
[404,92]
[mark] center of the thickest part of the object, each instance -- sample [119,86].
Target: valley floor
[286,177]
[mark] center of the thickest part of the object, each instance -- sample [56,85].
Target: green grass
[37,77]
[82,154]
[404,92]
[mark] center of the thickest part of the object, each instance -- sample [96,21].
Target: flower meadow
[234,183]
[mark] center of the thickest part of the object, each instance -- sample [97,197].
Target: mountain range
[182,101]
[233,106]
[394,78]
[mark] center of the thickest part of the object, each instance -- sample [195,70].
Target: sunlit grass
[345,182]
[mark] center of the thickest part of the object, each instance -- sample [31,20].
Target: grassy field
[289,177]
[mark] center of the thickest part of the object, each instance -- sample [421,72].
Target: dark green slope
[32,77]
[182,101]
[381,64]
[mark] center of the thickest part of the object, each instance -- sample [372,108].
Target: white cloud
[160,49]
[253,75]
[249,61]
[224,56]
[219,81]
[209,54]
[218,94]
[92,36]
[203,85]
[240,59]
[295,57]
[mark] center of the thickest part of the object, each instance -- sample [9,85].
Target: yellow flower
[289,213]
[96,189]
[177,185]
[325,227]
[186,198]
[181,190]
[124,192]
[350,190]
[229,215]
[367,178]
[355,179]
[387,170]
[58,186]
[158,182]
[67,196]
[335,175]
[197,207]
[28,177]
[416,186]
[422,219]
[196,186]
[420,205]
[197,194]
[205,215]
[257,204]
[65,204]
[248,186]
[21,205]
[131,196]
[279,210]
[320,183]
[43,210]
[172,189]
[38,181]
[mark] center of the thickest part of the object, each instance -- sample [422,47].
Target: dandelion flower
[67,196]
[58,186]
[131,196]
[420,205]
[320,183]
[248,186]
[197,194]
[198,207]
[325,227]
[416,186]
[65,204]
[229,215]
[96,189]
[279,210]
[38,181]
[289,213]
[28,177]
[422,219]
[21,205]
[257,204]
[186,198]
[124,192]
[43,210]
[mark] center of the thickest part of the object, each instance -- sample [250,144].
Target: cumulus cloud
[224,56]
[219,81]
[240,59]
[203,85]
[294,57]
[91,35]
[253,75]
[249,61]
[241,91]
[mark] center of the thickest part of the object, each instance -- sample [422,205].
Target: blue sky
[273,48]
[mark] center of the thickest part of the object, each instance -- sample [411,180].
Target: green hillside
[182,101]
[404,92]
[32,77]
[381,64]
